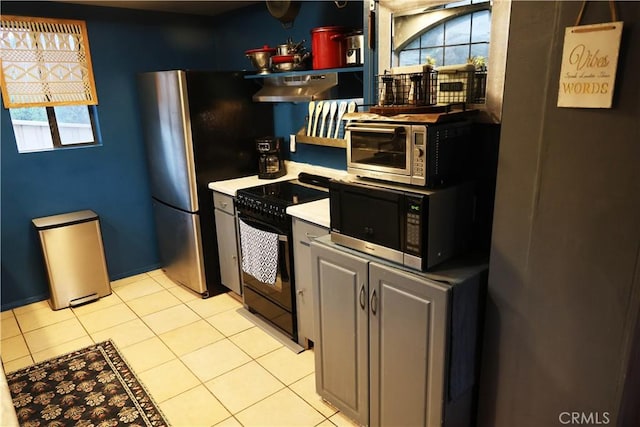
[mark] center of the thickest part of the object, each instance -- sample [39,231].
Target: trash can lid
[64,219]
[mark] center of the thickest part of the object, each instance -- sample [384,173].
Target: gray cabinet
[407,343]
[342,330]
[303,233]
[226,232]
[385,352]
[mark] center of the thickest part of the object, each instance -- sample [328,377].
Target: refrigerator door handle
[188,142]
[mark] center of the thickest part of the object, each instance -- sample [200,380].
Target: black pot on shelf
[284,11]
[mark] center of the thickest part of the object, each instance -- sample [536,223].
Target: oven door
[267,294]
[379,150]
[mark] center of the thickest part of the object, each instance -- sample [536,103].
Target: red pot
[281,59]
[264,48]
[328,47]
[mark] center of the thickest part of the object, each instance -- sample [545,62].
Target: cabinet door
[407,324]
[303,234]
[341,324]
[228,251]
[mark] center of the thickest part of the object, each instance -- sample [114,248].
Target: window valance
[45,62]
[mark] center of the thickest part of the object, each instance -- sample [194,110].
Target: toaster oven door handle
[356,127]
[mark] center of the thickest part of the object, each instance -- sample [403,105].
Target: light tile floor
[203,363]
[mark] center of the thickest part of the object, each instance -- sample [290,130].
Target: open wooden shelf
[302,138]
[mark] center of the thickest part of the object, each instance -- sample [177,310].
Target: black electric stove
[262,209]
[268,202]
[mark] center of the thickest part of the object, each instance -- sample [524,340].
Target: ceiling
[202,7]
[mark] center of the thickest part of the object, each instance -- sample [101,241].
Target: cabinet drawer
[305,232]
[223,202]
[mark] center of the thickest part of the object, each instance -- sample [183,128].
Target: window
[462,33]
[47,83]
[48,128]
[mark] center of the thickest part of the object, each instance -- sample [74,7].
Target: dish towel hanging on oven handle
[259,253]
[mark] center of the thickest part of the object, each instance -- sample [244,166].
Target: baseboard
[26,301]
[271,330]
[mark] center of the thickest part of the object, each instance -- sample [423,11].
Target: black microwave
[418,229]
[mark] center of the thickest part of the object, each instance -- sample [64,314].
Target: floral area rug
[88,387]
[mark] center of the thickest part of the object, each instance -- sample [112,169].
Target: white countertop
[231,186]
[316,212]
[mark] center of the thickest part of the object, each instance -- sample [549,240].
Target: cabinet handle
[224,204]
[374,302]
[362,297]
[311,236]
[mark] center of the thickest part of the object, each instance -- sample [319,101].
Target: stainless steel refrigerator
[199,127]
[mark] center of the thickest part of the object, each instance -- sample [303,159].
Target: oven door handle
[263,226]
[283,239]
[283,264]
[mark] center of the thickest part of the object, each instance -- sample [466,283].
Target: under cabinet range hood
[296,88]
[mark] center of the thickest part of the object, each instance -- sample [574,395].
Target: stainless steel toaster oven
[422,154]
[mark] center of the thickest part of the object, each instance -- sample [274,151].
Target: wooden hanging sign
[589,64]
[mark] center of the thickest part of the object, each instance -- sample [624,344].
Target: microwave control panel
[413,226]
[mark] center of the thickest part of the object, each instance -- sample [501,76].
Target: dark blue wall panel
[245,31]
[111,179]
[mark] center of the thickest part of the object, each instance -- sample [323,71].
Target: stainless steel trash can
[74,258]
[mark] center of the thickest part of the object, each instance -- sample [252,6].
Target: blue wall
[240,35]
[111,179]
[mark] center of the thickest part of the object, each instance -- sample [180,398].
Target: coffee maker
[270,163]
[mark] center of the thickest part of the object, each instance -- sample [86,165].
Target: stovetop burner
[285,192]
[268,202]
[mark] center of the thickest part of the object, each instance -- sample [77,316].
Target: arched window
[460,33]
